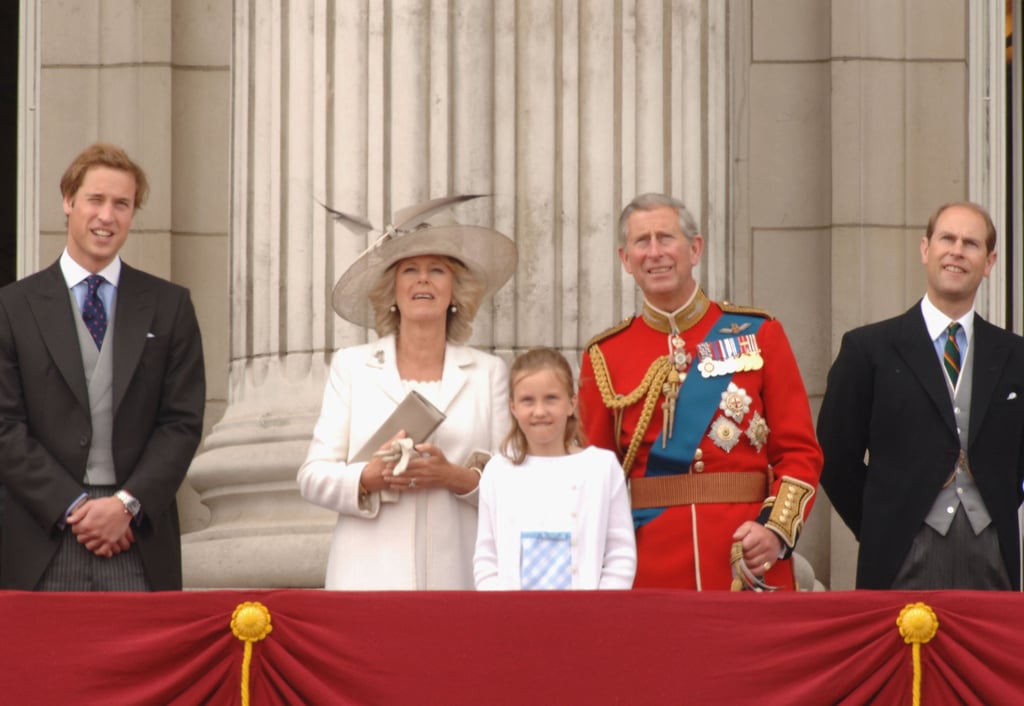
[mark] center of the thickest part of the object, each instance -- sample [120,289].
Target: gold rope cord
[250,622]
[651,385]
[918,624]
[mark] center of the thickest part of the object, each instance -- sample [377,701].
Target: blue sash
[695,407]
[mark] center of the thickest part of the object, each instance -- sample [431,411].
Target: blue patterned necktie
[951,353]
[94,314]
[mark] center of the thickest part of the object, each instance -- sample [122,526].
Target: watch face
[130,504]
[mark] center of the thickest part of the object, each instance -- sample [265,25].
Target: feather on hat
[489,255]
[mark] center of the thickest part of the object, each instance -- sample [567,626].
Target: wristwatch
[131,504]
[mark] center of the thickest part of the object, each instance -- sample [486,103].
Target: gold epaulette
[608,333]
[731,308]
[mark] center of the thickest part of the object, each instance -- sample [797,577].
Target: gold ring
[767,565]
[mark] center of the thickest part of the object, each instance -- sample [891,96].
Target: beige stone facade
[812,138]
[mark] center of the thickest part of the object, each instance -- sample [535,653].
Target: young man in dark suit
[922,425]
[101,401]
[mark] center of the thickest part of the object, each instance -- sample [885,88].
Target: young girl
[552,514]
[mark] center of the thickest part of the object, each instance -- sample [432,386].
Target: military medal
[708,365]
[715,359]
[724,434]
[758,430]
[677,350]
[729,355]
[750,352]
[735,402]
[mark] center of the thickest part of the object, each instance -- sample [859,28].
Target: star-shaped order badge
[735,402]
[758,430]
[724,434]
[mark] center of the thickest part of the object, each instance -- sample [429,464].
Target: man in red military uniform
[704,403]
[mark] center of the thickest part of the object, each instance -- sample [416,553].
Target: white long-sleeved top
[583,494]
[395,541]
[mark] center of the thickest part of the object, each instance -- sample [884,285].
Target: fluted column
[261,533]
[561,110]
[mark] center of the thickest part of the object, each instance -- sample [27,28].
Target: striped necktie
[951,353]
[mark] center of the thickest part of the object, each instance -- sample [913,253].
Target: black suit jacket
[45,423]
[887,396]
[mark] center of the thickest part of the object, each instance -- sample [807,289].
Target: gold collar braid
[652,385]
[682,319]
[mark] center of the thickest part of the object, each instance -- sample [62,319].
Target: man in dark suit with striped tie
[922,426]
[101,401]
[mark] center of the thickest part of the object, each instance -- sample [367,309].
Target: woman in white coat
[424,284]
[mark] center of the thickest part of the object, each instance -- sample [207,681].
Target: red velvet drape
[638,647]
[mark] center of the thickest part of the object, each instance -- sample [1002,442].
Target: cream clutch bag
[415,414]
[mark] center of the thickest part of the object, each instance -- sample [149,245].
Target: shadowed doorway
[8,140]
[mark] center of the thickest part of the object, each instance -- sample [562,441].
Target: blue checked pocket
[545,561]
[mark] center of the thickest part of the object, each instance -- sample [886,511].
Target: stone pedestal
[261,533]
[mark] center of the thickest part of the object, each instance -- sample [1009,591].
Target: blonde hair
[467,292]
[515,444]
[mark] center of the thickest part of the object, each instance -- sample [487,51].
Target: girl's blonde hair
[515,445]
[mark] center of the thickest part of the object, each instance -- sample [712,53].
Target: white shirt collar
[937,322]
[75,273]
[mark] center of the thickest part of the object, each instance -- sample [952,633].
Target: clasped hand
[102,526]
[427,468]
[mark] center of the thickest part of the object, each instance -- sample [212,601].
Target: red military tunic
[688,546]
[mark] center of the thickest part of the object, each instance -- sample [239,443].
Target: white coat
[394,541]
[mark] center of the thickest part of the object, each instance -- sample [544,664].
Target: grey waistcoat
[960,488]
[99,375]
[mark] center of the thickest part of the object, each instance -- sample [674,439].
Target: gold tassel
[918,625]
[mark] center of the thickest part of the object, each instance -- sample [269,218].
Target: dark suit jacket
[887,395]
[45,424]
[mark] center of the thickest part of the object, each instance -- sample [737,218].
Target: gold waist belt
[699,488]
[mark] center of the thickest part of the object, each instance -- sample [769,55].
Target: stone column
[561,111]
[261,533]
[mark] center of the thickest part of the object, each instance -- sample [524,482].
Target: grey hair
[651,201]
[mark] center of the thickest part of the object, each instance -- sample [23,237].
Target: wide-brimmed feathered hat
[489,255]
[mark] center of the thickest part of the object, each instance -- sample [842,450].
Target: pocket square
[150,335]
[1012,396]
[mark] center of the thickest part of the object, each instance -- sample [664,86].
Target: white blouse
[583,494]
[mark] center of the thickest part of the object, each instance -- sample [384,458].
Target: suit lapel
[453,376]
[989,358]
[136,302]
[382,367]
[52,308]
[915,347]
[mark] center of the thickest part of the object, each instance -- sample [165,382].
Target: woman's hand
[378,473]
[432,469]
